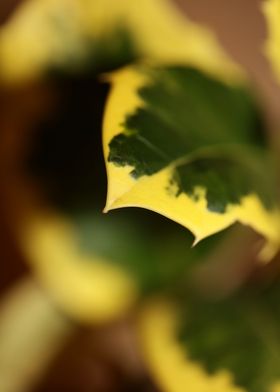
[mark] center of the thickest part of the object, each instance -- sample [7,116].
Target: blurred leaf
[96,267]
[87,287]
[103,34]
[29,323]
[166,358]
[239,334]
[272,13]
[183,144]
[155,253]
[229,344]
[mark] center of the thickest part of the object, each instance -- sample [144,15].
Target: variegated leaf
[186,145]
[74,35]
[86,285]
[229,345]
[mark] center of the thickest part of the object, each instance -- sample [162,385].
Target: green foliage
[239,334]
[153,251]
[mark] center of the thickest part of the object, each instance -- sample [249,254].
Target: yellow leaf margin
[87,288]
[31,40]
[150,191]
[168,362]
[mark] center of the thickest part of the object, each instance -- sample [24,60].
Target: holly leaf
[241,336]
[85,285]
[191,147]
[80,35]
[230,344]
[166,357]
[272,12]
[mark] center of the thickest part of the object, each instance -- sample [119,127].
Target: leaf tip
[197,239]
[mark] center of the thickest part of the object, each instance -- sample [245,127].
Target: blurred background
[39,165]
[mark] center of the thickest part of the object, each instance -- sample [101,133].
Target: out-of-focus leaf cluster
[183,136]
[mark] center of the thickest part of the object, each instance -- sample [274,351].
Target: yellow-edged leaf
[152,123]
[167,360]
[86,287]
[45,34]
[228,347]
